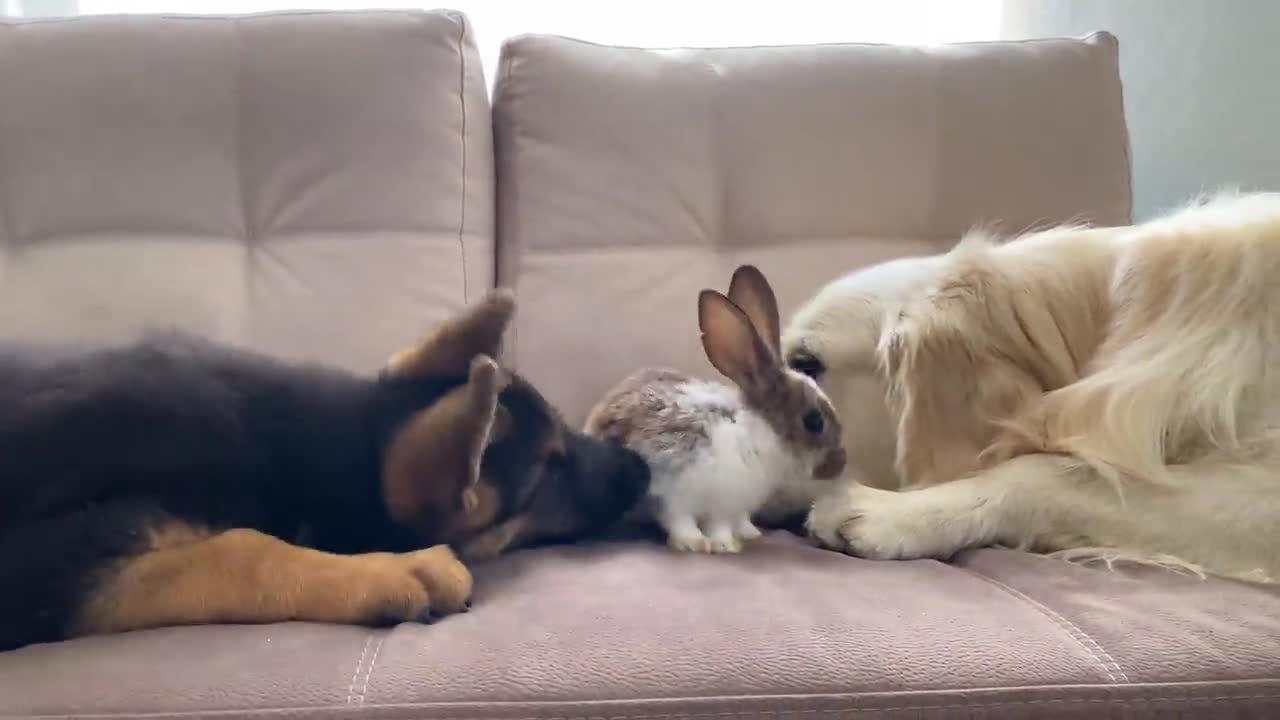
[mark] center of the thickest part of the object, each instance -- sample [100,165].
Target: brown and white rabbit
[717,453]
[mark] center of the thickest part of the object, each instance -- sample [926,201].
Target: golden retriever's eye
[807,364]
[813,423]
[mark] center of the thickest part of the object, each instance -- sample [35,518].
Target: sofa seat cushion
[317,185]
[631,178]
[630,630]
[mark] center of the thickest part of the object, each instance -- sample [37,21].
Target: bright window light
[666,23]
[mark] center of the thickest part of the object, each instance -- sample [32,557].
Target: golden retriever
[1095,392]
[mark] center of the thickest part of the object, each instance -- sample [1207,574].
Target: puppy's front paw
[424,586]
[880,525]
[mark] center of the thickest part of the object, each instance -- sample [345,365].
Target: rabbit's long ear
[731,342]
[750,291]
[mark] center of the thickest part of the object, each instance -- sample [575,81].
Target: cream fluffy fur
[1103,393]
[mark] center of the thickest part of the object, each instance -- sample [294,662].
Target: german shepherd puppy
[175,481]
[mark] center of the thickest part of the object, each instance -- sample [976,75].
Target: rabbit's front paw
[746,530]
[727,544]
[726,536]
[683,533]
[689,543]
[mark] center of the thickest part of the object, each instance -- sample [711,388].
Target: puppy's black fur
[100,448]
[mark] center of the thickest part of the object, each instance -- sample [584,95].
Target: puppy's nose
[637,470]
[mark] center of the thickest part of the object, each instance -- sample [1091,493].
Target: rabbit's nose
[832,464]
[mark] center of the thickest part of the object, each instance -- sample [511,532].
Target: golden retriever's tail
[1114,557]
[1111,557]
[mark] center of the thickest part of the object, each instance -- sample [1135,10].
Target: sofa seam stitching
[251,259]
[1122,702]
[246,215]
[1057,39]
[8,225]
[1092,647]
[18,22]
[373,661]
[351,688]
[504,251]
[462,108]
[1116,103]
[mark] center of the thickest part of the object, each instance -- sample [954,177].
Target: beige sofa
[324,186]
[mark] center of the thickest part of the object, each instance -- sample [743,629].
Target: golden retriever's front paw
[880,525]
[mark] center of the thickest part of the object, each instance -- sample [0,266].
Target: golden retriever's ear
[477,330]
[749,290]
[951,389]
[431,469]
[929,377]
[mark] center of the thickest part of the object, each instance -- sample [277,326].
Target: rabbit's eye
[813,423]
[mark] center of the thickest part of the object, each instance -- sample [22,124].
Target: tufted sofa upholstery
[308,184]
[629,178]
[323,185]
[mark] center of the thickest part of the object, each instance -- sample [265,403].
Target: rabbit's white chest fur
[717,453]
[705,499]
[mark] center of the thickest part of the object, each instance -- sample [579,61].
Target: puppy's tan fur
[1108,392]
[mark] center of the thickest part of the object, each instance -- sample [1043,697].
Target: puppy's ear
[749,290]
[431,471]
[731,342]
[493,541]
[477,330]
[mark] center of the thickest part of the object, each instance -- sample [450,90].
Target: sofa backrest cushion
[317,185]
[628,179]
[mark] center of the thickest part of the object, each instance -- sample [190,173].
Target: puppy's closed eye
[806,363]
